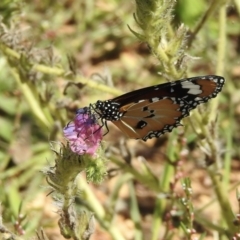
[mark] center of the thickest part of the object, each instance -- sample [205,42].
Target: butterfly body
[152,111]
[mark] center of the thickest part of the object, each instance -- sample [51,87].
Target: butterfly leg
[105,124]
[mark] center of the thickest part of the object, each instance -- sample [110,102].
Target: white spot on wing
[193,88]
[194,91]
[155,99]
[198,99]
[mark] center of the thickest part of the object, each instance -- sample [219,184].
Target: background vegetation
[57,56]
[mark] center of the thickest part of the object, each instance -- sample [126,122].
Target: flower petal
[83,133]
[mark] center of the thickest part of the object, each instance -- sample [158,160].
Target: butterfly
[152,111]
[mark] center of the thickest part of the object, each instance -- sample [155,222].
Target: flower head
[83,133]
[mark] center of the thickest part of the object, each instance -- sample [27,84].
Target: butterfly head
[108,110]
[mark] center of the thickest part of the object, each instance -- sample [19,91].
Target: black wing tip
[216,78]
[219,79]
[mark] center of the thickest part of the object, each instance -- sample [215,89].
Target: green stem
[212,8]
[221,48]
[134,212]
[147,179]
[10,53]
[237,3]
[220,58]
[33,103]
[157,217]
[114,195]
[211,140]
[99,211]
[209,224]
[160,204]
[228,155]
[223,200]
[101,87]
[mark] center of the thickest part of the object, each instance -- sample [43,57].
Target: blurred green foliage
[189,12]
[96,36]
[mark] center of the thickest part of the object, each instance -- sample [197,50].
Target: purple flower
[83,133]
